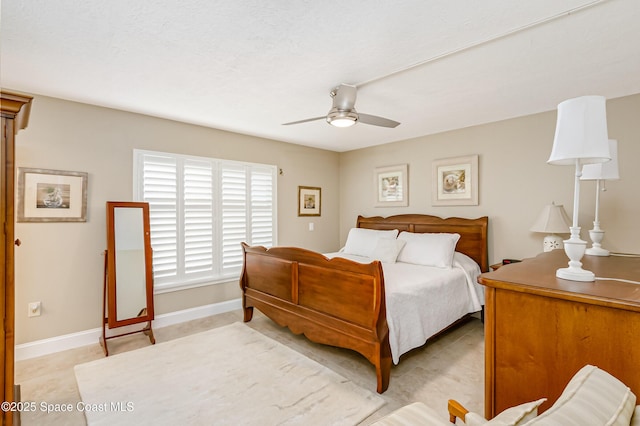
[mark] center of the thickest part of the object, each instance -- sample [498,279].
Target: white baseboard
[90,337]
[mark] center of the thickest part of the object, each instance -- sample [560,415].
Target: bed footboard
[331,301]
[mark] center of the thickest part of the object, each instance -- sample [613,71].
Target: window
[200,210]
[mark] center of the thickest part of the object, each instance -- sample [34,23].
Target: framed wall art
[392,186]
[309,201]
[455,181]
[51,195]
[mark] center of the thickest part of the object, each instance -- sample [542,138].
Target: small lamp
[598,172]
[552,220]
[581,137]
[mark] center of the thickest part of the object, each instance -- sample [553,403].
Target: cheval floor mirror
[128,271]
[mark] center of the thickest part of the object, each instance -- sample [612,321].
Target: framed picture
[455,181]
[309,201]
[392,186]
[51,196]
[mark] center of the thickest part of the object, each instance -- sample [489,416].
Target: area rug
[232,375]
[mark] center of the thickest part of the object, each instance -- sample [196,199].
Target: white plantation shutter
[201,209]
[159,189]
[198,217]
[234,215]
[262,206]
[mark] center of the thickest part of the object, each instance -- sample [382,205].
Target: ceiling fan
[343,113]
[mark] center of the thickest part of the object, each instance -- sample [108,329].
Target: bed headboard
[473,232]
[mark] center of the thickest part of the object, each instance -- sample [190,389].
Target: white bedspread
[423,300]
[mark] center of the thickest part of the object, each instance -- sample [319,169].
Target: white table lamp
[581,138]
[599,172]
[552,220]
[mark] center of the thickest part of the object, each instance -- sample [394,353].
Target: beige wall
[61,264]
[515,181]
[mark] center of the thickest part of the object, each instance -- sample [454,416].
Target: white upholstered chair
[592,397]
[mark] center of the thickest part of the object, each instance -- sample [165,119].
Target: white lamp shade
[603,171]
[581,132]
[552,220]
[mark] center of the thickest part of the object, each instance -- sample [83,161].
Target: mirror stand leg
[103,343]
[148,331]
[103,340]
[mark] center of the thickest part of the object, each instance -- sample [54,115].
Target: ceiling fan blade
[376,121]
[344,97]
[324,117]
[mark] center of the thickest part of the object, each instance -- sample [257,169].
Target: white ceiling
[250,65]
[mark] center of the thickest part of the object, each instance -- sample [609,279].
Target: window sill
[171,287]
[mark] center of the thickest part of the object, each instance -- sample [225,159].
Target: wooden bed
[337,301]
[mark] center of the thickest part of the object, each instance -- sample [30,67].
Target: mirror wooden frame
[110,284]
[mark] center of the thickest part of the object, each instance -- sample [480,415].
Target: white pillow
[635,419]
[513,416]
[387,249]
[592,397]
[428,249]
[362,241]
[518,415]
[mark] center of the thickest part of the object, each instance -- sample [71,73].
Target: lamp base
[552,242]
[574,247]
[596,235]
[575,274]
[597,251]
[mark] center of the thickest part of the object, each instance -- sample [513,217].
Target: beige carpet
[230,375]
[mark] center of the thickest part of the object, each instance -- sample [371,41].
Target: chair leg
[456,410]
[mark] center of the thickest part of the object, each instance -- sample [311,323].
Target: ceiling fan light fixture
[339,118]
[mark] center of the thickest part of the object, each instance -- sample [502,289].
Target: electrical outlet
[35,309]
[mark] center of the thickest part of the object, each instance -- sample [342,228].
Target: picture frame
[455,181]
[391,185]
[46,195]
[309,201]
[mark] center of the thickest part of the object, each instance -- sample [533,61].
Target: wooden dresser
[540,330]
[14,111]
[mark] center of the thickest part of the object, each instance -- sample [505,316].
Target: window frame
[183,280]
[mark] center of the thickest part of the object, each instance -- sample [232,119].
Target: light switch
[311,226]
